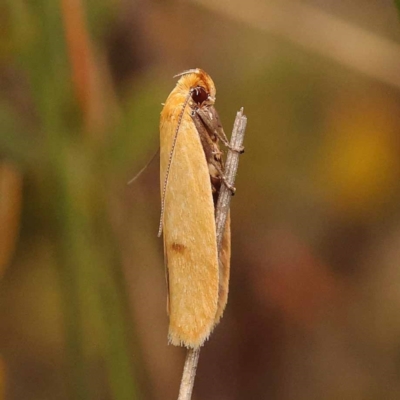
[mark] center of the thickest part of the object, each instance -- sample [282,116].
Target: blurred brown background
[315,289]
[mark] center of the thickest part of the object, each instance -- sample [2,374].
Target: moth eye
[199,95]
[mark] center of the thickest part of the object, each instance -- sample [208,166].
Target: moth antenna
[171,155]
[144,168]
[189,71]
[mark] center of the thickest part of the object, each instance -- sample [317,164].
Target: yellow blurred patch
[360,162]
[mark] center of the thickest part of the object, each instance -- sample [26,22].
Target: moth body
[191,172]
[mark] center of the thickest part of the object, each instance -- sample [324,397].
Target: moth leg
[217,166]
[210,118]
[220,133]
[224,140]
[212,152]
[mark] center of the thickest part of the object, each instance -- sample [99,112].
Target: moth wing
[189,232]
[224,269]
[166,274]
[207,120]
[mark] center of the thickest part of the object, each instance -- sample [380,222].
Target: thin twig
[224,199]
[188,374]
[231,166]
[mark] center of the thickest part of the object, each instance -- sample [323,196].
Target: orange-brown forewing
[197,281]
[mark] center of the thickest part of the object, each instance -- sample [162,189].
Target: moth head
[200,85]
[201,97]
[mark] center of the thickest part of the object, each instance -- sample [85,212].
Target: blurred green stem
[397,3]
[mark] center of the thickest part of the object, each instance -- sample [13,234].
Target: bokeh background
[315,288]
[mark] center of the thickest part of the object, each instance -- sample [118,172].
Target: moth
[191,175]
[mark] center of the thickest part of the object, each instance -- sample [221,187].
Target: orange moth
[191,174]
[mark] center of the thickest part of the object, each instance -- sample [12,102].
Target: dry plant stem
[188,374]
[231,166]
[224,199]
